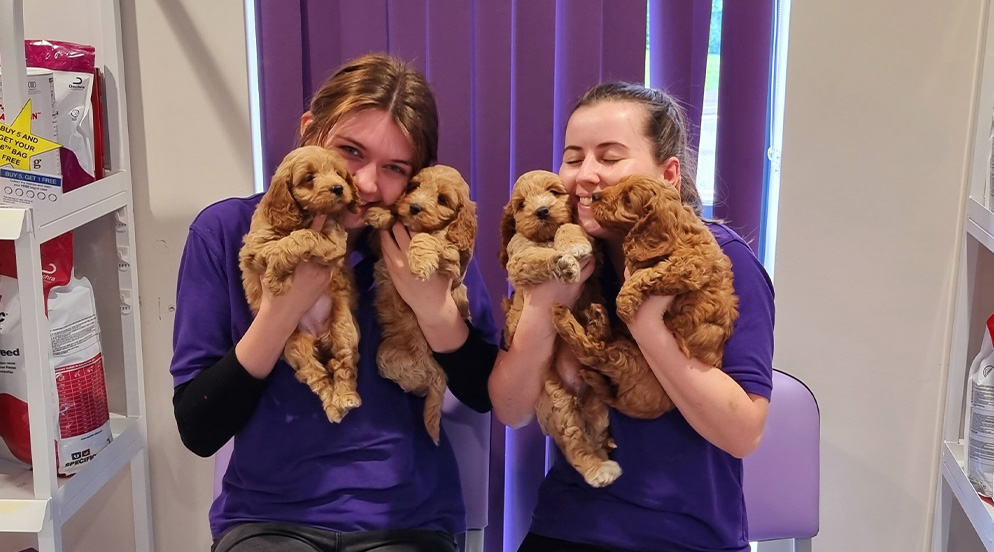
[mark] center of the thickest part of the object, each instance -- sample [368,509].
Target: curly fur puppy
[324,349]
[437,206]
[670,251]
[542,242]
[614,366]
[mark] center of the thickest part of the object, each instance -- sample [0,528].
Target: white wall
[876,131]
[188,111]
[188,101]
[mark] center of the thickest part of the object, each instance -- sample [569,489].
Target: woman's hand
[520,372]
[542,296]
[649,316]
[431,299]
[310,282]
[427,298]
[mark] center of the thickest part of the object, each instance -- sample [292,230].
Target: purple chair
[469,433]
[781,476]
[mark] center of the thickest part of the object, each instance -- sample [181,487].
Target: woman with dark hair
[681,482]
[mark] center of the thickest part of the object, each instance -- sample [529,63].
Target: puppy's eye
[442,200]
[626,200]
[309,178]
[557,193]
[521,205]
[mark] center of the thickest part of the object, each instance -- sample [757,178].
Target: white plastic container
[980,423]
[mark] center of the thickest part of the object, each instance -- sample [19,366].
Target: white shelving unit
[38,500]
[974,303]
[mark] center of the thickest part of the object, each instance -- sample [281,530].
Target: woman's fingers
[587,267]
[393,255]
[318,223]
[401,234]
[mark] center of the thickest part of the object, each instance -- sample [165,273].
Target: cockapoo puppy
[670,251]
[437,209]
[324,349]
[542,242]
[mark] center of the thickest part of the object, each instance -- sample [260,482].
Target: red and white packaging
[71,75]
[78,363]
[77,369]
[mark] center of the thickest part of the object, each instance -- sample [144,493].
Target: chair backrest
[469,433]
[781,476]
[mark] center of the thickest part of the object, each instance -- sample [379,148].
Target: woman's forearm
[262,345]
[520,372]
[713,403]
[445,330]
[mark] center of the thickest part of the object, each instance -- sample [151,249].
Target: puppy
[614,366]
[670,251]
[436,207]
[324,349]
[542,242]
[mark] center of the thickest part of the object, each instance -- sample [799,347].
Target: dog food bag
[41,91]
[77,369]
[980,422]
[72,76]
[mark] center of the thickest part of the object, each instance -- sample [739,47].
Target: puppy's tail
[434,401]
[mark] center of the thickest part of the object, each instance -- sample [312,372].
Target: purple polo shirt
[677,492]
[377,469]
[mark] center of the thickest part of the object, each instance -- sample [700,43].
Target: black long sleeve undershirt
[219,401]
[215,404]
[468,369]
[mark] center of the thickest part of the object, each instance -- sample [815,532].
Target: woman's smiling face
[604,143]
[379,156]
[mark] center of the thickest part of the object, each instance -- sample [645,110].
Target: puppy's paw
[579,249]
[379,217]
[626,307]
[566,324]
[347,401]
[277,284]
[596,315]
[423,266]
[566,269]
[334,414]
[603,474]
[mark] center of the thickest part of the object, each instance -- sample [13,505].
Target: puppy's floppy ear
[653,236]
[648,239]
[278,205]
[507,230]
[462,231]
[353,189]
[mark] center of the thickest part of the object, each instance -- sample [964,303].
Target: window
[709,118]
[709,121]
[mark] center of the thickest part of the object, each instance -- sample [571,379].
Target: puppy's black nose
[542,212]
[596,196]
[415,208]
[337,189]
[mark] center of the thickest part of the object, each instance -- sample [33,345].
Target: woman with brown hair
[681,483]
[374,481]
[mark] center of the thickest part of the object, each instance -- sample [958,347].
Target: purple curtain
[678,42]
[678,54]
[743,116]
[506,75]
